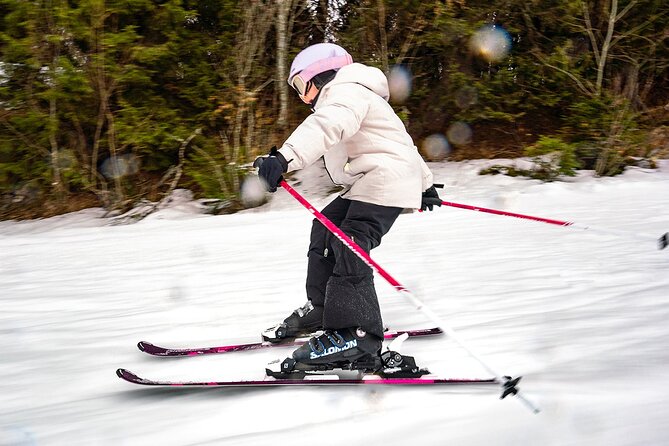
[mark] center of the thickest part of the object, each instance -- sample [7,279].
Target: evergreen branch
[43,151]
[419,22]
[573,77]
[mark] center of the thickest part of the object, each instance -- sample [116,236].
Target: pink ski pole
[345,239]
[662,241]
[507,383]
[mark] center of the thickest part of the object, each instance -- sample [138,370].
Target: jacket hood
[369,77]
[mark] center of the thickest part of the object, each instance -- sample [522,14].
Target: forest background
[112,102]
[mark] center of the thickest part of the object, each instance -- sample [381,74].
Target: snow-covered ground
[580,314]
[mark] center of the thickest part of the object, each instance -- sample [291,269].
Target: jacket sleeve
[428,179]
[338,118]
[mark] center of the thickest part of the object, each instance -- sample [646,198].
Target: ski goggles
[299,85]
[303,89]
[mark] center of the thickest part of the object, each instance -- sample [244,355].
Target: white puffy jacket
[365,145]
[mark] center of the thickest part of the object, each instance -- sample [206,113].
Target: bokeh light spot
[436,147]
[399,84]
[466,96]
[120,166]
[491,43]
[459,133]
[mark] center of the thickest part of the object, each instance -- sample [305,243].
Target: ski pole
[507,383]
[662,241]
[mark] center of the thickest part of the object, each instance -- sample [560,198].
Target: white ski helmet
[314,60]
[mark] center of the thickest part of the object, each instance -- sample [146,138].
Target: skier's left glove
[430,198]
[271,168]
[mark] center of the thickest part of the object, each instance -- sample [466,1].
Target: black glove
[270,168]
[430,199]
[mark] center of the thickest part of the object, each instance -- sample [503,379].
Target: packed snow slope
[580,314]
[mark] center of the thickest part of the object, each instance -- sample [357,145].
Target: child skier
[367,150]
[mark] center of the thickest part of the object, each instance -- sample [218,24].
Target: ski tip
[154,350]
[125,374]
[663,241]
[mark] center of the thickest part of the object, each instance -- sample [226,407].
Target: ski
[311,380]
[156,350]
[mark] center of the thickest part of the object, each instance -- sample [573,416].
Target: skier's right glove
[430,198]
[271,167]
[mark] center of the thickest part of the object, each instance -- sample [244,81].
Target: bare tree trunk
[82,146]
[383,38]
[53,141]
[98,129]
[57,182]
[239,120]
[606,45]
[602,54]
[113,158]
[282,41]
[321,19]
[599,51]
[179,169]
[258,21]
[250,125]
[103,95]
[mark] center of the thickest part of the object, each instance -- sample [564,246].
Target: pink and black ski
[312,380]
[155,350]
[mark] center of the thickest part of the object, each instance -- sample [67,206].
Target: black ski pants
[337,279]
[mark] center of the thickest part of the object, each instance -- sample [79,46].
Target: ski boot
[302,322]
[344,349]
[347,349]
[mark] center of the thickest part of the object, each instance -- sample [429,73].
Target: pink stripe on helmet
[321,66]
